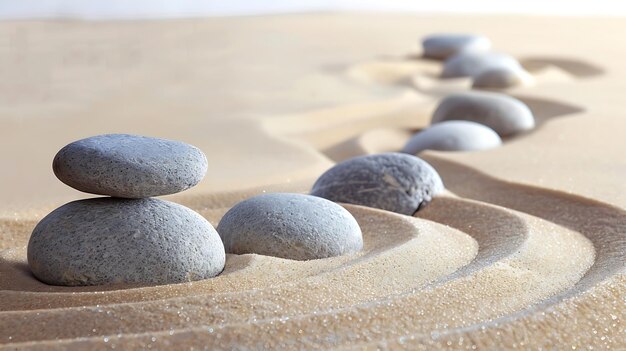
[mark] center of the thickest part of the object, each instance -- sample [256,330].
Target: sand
[525,250]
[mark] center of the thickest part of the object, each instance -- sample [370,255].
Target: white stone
[390,181]
[453,136]
[502,78]
[134,241]
[502,113]
[441,46]
[293,226]
[129,166]
[471,64]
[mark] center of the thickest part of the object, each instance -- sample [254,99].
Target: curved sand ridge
[521,260]
[491,262]
[499,264]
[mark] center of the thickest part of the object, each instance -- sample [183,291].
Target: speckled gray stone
[443,45]
[293,226]
[129,166]
[501,78]
[391,181]
[110,240]
[471,64]
[502,113]
[453,136]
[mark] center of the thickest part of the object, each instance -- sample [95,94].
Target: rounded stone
[501,78]
[471,64]
[502,113]
[292,226]
[441,46]
[391,181]
[135,241]
[129,166]
[453,136]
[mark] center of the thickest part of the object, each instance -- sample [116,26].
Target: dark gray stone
[391,181]
[502,113]
[293,226]
[129,166]
[453,136]
[471,64]
[441,46]
[110,240]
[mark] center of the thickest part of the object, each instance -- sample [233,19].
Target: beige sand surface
[525,250]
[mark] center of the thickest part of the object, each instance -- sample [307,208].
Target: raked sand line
[324,128]
[235,279]
[506,285]
[592,320]
[353,285]
[604,225]
[499,232]
[575,67]
[377,140]
[596,300]
[510,284]
[494,243]
[540,268]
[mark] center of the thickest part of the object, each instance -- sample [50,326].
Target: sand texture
[525,249]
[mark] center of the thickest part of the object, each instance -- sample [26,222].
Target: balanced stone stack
[128,237]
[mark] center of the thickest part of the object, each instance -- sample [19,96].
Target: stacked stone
[128,237]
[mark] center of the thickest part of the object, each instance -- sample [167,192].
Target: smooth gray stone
[471,64]
[110,241]
[292,226]
[453,136]
[501,78]
[502,113]
[441,46]
[129,166]
[391,181]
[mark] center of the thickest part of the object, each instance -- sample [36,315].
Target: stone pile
[129,237]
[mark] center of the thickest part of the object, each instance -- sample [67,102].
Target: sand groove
[398,237]
[464,294]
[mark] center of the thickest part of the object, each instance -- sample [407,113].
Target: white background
[129,9]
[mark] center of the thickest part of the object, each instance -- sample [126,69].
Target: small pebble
[292,226]
[453,136]
[442,46]
[502,113]
[501,78]
[471,64]
[391,181]
[129,166]
[110,241]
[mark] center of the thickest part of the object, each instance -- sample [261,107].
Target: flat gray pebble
[453,136]
[292,226]
[502,113]
[110,241]
[443,45]
[471,64]
[129,166]
[391,181]
[501,78]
